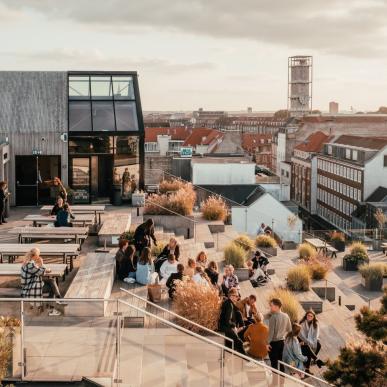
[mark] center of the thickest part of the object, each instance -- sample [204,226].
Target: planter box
[373,285]
[242,274]
[271,251]
[181,226]
[339,245]
[350,265]
[289,245]
[138,200]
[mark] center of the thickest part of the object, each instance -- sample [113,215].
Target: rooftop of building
[202,136]
[222,160]
[314,143]
[251,141]
[177,134]
[378,196]
[361,142]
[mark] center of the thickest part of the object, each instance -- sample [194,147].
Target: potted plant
[235,255]
[357,256]
[338,241]
[381,220]
[299,278]
[306,251]
[214,208]
[267,244]
[372,276]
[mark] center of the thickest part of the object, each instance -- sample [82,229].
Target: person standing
[309,337]
[228,321]
[60,189]
[3,196]
[143,235]
[279,327]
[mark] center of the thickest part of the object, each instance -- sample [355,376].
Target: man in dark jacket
[174,277]
[143,235]
[228,321]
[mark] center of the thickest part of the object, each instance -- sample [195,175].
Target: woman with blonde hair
[189,271]
[32,281]
[201,259]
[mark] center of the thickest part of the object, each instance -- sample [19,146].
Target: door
[48,168]
[80,179]
[105,176]
[26,173]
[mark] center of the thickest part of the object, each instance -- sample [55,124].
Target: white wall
[281,151]
[266,210]
[279,191]
[375,174]
[163,141]
[313,186]
[201,149]
[223,173]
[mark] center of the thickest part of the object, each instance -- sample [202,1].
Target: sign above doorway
[37,152]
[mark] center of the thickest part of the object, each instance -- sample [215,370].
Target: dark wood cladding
[338,212]
[341,179]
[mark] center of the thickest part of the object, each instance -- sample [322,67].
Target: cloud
[95,60]
[349,28]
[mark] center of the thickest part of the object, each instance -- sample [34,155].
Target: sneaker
[320,363]
[129,280]
[63,303]
[54,312]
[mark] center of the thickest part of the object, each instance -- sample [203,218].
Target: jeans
[275,354]
[53,287]
[238,343]
[132,274]
[309,353]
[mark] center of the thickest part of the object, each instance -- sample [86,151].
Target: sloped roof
[202,136]
[314,143]
[252,140]
[237,193]
[178,134]
[379,195]
[374,143]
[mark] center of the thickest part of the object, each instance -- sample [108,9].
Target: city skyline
[217,55]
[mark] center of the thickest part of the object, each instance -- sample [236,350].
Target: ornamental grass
[198,303]
[319,266]
[373,271]
[357,248]
[245,242]
[214,208]
[299,278]
[235,255]
[265,241]
[171,185]
[290,304]
[306,251]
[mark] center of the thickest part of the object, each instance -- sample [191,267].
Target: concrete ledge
[216,226]
[181,226]
[317,306]
[329,292]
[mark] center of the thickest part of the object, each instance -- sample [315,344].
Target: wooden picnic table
[29,232]
[65,250]
[80,219]
[13,269]
[95,209]
[317,243]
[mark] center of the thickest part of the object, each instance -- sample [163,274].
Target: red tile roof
[314,143]
[375,143]
[202,136]
[251,141]
[179,133]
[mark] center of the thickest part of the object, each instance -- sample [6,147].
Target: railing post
[326,286]
[23,359]
[222,360]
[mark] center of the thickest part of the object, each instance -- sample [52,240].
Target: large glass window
[103,116]
[79,116]
[91,145]
[101,88]
[123,87]
[79,87]
[126,116]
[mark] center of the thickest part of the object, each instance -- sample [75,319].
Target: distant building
[333,108]
[258,146]
[203,140]
[304,171]
[249,109]
[349,170]
[208,118]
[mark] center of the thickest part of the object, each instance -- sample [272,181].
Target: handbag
[154,293]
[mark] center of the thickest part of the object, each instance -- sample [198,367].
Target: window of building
[341,171]
[351,174]
[348,154]
[385,161]
[354,155]
[329,149]
[103,116]
[79,116]
[351,192]
[126,116]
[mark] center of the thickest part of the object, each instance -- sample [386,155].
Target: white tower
[300,85]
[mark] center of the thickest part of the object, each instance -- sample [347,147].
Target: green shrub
[290,304]
[235,255]
[357,248]
[373,270]
[298,278]
[245,242]
[265,241]
[357,257]
[214,208]
[156,250]
[306,251]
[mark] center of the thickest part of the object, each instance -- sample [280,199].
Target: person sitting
[167,268]
[57,206]
[120,254]
[257,334]
[171,248]
[258,275]
[201,277]
[261,229]
[144,234]
[230,280]
[32,281]
[128,266]
[201,259]
[228,321]
[309,338]
[63,215]
[292,354]
[171,282]
[144,267]
[248,308]
[189,271]
[212,272]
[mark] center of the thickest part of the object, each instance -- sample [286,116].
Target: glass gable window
[102,103]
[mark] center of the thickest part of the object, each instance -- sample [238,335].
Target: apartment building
[165,141]
[258,146]
[349,169]
[304,171]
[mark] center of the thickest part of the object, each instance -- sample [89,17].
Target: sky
[215,54]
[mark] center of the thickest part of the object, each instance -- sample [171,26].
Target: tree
[365,363]
[282,114]
[382,110]
[316,111]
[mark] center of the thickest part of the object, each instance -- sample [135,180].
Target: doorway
[33,176]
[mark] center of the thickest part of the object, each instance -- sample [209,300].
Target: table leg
[1,258]
[71,263]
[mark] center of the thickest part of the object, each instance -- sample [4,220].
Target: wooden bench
[331,251]
[112,228]
[81,220]
[94,279]
[95,209]
[10,292]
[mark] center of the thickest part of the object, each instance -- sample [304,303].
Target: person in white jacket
[167,268]
[200,277]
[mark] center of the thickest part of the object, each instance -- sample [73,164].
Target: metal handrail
[304,372]
[178,316]
[220,346]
